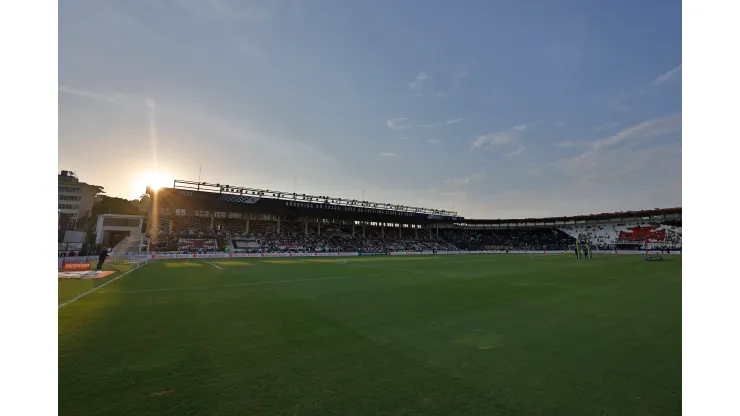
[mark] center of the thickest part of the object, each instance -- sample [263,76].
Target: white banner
[211,255]
[142,257]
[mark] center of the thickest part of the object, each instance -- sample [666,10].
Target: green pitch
[445,335]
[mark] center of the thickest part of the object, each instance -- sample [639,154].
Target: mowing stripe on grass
[175,289]
[220,268]
[80,296]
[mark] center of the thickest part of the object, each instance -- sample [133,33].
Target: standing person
[101,258]
[578,247]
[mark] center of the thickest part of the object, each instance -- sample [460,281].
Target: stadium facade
[200,216]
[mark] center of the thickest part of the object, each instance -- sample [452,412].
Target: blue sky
[496,108]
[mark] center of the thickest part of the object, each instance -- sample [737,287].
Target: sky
[491,108]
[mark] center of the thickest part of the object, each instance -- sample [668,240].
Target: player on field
[101,258]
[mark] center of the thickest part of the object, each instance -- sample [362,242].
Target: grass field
[435,335]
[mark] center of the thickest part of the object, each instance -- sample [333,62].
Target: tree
[113,205]
[109,205]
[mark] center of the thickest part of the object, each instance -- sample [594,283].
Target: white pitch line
[274,282]
[80,296]
[220,268]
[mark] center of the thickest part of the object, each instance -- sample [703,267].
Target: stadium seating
[613,235]
[193,234]
[197,244]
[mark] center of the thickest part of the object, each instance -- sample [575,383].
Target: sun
[154,179]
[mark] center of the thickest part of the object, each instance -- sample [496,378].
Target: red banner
[76,266]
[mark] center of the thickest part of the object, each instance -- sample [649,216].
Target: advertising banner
[211,255]
[88,274]
[76,266]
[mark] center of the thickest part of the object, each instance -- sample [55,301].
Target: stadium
[285,303]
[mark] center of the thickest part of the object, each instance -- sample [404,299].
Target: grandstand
[274,335]
[200,217]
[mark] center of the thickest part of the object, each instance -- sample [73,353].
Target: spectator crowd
[267,236]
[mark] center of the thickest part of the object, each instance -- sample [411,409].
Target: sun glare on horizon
[153,179]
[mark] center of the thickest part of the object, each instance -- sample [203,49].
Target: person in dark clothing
[101,258]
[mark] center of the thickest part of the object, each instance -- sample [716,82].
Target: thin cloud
[220,10]
[620,102]
[644,130]
[388,154]
[434,141]
[667,76]
[607,126]
[502,137]
[591,159]
[400,123]
[396,123]
[516,152]
[493,139]
[419,86]
[113,98]
[465,181]
[110,98]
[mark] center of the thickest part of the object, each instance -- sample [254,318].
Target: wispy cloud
[592,159]
[397,123]
[111,98]
[401,123]
[655,157]
[219,11]
[667,76]
[607,126]
[419,86]
[516,152]
[620,103]
[388,154]
[465,181]
[434,141]
[502,137]
[644,130]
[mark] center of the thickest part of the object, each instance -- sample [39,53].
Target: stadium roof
[603,216]
[290,196]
